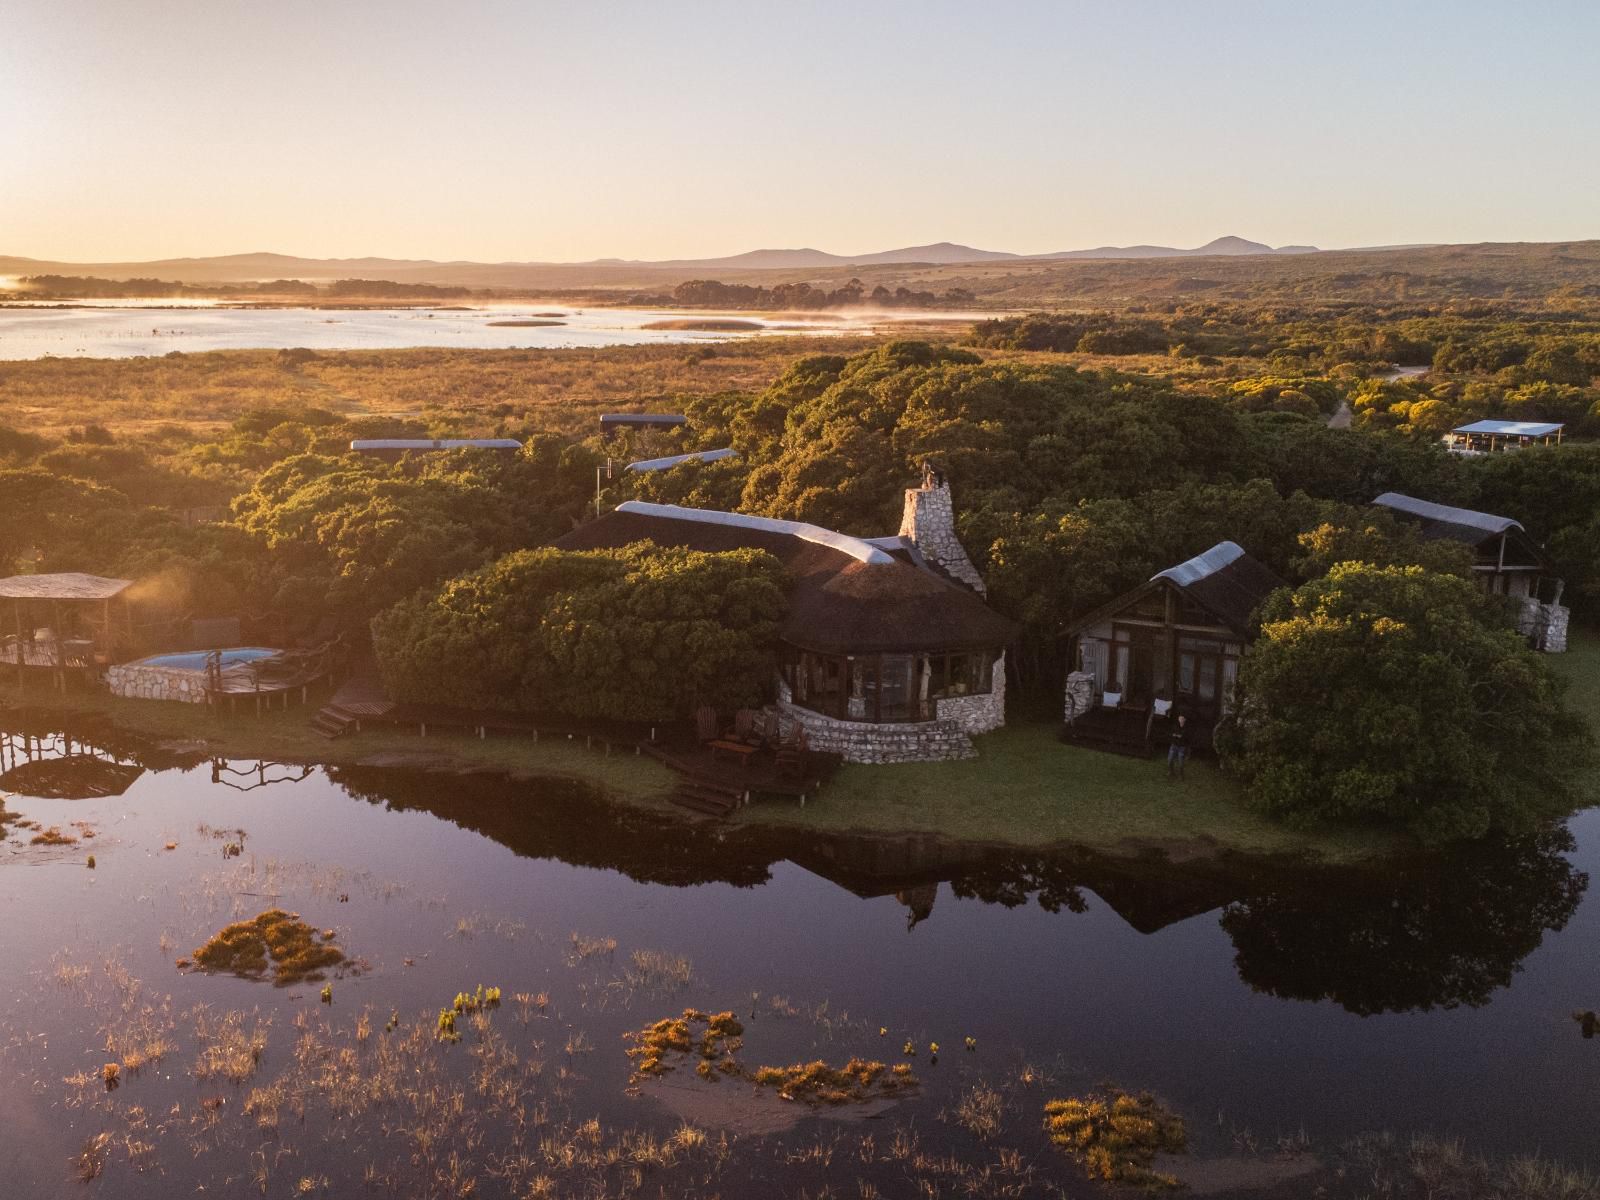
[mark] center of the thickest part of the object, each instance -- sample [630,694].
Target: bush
[641,634]
[1397,695]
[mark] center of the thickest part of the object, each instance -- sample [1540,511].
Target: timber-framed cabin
[1505,560]
[1171,645]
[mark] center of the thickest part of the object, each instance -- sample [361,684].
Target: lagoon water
[125,331]
[1259,1001]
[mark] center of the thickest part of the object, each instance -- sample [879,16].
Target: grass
[1115,1136]
[273,941]
[1025,788]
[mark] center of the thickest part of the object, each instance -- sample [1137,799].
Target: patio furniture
[706,724]
[791,757]
[737,749]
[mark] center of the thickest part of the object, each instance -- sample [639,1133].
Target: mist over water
[130,329]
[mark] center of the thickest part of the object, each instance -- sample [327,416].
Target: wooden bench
[740,750]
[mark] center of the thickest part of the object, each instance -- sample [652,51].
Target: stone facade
[1545,625]
[942,740]
[928,521]
[1080,695]
[156,683]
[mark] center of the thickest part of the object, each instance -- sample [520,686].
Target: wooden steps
[707,798]
[333,720]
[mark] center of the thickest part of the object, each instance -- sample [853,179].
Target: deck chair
[791,757]
[743,723]
[707,726]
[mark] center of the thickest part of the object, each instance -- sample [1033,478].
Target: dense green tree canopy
[637,634]
[1401,696]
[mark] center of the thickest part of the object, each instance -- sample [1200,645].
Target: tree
[640,634]
[1400,696]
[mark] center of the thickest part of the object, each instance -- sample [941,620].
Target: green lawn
[1026,788]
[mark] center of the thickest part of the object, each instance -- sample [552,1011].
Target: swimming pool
[179,676]
[195,660]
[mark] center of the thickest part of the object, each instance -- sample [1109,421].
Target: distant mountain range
[232,268]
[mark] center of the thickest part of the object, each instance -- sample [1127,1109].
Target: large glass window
[884,687]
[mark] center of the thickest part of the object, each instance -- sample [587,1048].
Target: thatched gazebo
[63,622]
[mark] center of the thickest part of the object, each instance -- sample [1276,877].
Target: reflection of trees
[564,819]
[1438,933]
[1013,882]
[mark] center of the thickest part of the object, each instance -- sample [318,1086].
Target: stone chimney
[929,523]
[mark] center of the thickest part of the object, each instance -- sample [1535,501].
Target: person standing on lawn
[1178,749]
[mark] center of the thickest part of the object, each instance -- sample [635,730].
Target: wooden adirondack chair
[791,758]
[707,725]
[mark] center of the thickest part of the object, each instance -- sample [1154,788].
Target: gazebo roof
[71,585]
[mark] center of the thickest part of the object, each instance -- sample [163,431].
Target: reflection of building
[59,766]
[1491,437]
[889,652]
[1506,561]
[1172,645]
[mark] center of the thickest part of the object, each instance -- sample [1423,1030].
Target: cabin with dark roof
[1172,645]
[1506,561]
[887,655]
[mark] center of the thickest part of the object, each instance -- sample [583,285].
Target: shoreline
[1123,809]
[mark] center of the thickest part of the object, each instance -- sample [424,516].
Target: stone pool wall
[136,682]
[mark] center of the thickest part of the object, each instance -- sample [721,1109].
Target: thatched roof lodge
[886,657]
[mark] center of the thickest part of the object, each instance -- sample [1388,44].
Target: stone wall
[942,740]
[156,683]
[929,522]
[1080,695]
[1544,624]
[978,714]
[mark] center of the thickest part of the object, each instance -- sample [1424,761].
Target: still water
[1259,1001]
[124,331]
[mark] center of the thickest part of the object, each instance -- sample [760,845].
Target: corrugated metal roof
[435,444]
[643,419]
[1201,565]
[70,585]
[1427,510]
[856,548]
[673,460]
[1512,428]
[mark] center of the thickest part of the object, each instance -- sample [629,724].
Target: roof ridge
[1207,562]
[1428,510]
[857,548]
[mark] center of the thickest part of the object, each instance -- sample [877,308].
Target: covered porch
[63,625]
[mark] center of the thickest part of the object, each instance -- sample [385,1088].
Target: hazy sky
[520,129]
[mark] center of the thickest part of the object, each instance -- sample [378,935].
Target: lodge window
[884,687]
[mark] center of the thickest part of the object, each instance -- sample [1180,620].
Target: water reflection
[1429,932]
[1434,933]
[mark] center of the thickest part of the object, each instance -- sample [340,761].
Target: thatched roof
[71,585]
[847,595]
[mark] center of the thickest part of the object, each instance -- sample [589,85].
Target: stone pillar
[1080,695]
[929,523]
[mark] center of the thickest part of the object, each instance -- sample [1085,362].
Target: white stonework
[156,683]
[928,521]
[1080,695]
[942,740]
[1544,624]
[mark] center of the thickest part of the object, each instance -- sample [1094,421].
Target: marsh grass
[231,1045]
[272,941]
[1115,1135]
[52,837]
[856,1082]
[1392,1167]
[659,1047]
[656,970]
